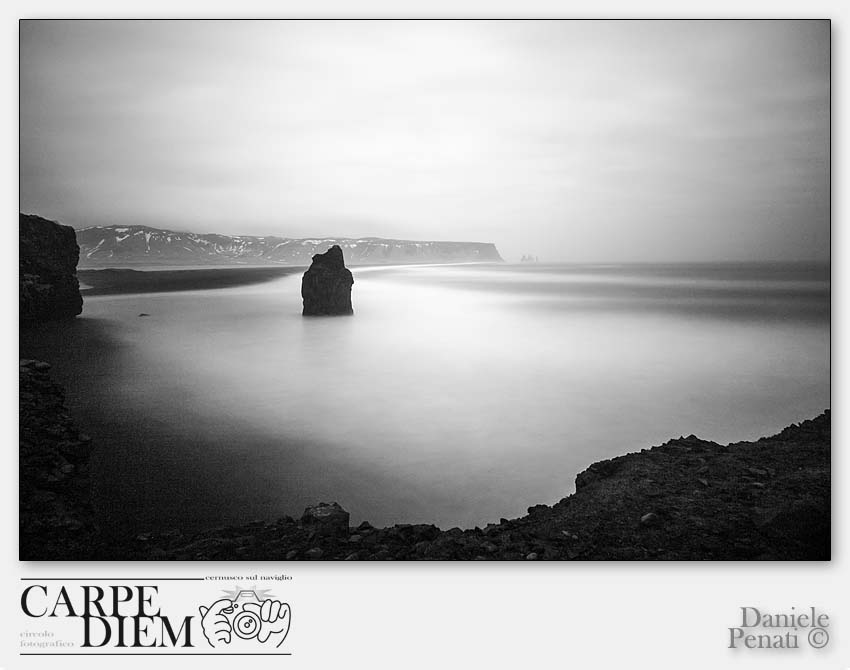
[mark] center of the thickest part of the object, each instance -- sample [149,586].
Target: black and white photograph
[424,290]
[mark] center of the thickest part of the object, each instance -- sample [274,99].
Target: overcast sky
[575,141]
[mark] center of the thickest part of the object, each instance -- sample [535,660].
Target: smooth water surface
[456,394]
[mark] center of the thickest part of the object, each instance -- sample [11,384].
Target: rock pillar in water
[326,286]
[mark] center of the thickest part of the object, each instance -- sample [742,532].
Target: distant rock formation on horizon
[47,271]
[130,246]
[326,286]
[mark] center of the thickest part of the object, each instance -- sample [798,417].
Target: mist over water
[455,395]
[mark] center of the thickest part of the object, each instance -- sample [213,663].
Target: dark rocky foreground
[56,517]
[326,286]
[47,270]
[688,499]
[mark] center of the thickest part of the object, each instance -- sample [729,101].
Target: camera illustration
[245,623]
[247,616]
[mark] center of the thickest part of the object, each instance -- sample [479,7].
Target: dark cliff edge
[47,271]
[687,499]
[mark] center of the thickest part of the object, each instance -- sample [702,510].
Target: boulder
[326,286]
[650,519]
[326,519]
[47,271]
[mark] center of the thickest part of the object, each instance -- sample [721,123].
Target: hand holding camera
[215,622]
[266,620]
[246,616]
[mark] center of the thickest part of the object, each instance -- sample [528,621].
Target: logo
[146,618]
[249,616]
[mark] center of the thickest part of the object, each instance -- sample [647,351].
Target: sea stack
[326,286]
[47,271]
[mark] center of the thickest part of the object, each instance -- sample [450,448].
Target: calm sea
[456,394]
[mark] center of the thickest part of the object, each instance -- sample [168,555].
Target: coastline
[114,281]
[687,499]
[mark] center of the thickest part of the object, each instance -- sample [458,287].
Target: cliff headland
[47,270]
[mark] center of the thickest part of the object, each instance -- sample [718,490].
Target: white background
[376,615]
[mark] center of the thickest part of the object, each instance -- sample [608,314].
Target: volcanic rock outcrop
[48,286]
[326,286]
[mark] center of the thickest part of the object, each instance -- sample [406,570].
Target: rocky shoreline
[687,499]
[56,517]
